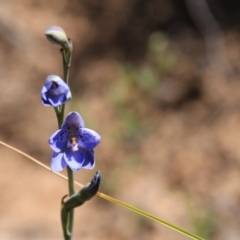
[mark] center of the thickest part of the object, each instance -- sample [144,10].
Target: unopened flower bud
[85,194]
[56,35]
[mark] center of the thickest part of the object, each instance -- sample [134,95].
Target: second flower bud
[55,91]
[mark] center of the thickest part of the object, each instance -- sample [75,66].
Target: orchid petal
[87,138]
[74,159]
[45,101]
[58,141]
[53,78]
[46,87]
[56,100]
[73,119]
[89,161]
[58,163]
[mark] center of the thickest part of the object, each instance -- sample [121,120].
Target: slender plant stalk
[58,116]
[71,192]
[66,56]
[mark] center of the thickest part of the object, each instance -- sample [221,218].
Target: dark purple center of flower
[54,85]
[55,89]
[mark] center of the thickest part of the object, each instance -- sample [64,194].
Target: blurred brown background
[160,81]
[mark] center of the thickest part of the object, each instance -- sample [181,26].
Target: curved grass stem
[111,199]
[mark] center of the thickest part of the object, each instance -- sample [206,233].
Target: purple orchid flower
[73,145]
[55,91]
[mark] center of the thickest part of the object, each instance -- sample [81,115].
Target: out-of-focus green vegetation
[139,82]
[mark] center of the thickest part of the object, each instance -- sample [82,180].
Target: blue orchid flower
[73,145]
[55,91]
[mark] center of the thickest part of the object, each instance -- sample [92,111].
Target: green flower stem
[58,116]
[64,219]
[71,192]
[66,56]
[68,226]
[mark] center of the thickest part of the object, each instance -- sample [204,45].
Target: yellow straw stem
[111,199]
